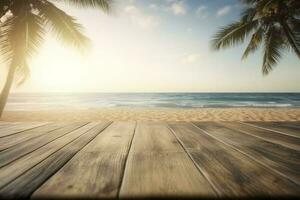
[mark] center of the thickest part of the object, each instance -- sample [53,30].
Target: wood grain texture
[23,148]
[158,166]
[152,159]
[232,173]
[27,182]
[8,124]
[290,128]
[277,138]
[13,170]
[19,128]
[277,157]
[96,171]
[15,139]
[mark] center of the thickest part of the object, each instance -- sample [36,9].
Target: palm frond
[5,46]
[254,43]
[248,14]
[255,2]
[251,2]
[295,26]
[4,3]
[233,34]
[292,36]
[272,50]
[276,23]
[62,25]
[4,6]
[25,35]
[23,73]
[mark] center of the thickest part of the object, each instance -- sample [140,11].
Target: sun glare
[58,68]
[125,57]
[58,77]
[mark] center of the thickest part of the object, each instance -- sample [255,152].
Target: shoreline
[156,114]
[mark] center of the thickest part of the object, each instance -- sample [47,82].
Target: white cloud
[178,8]
[140,19]
[153,6]
[201,12]
[131,9]
[223,11]
[192,58]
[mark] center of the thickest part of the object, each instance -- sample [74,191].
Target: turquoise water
[26,101]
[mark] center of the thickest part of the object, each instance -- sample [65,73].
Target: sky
[156,46]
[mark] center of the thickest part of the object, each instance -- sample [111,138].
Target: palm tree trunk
[6,88]
[288,32]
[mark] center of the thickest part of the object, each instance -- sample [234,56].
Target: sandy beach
[157,114]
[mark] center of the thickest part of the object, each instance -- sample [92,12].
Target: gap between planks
[277,138]
[26,147]
[10,186]
[206,175]
[158,166]
[104,157]
[125,164]
[247,154]
[19,128]
[269,129]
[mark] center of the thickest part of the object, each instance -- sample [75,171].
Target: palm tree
[273,23]
[22,30]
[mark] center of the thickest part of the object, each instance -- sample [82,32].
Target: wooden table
[149,159]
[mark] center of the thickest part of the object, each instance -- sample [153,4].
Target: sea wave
[25,101]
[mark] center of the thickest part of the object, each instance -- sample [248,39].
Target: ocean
[45,101]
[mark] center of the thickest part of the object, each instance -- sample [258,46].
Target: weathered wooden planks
[275,137]
[232,173]
[96,171]
[15,139]
[289,128]
[8,124]
[70,160]
[23,148]
[19,127]
[158,166]
[29,176]
[16,168]
[284,160]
